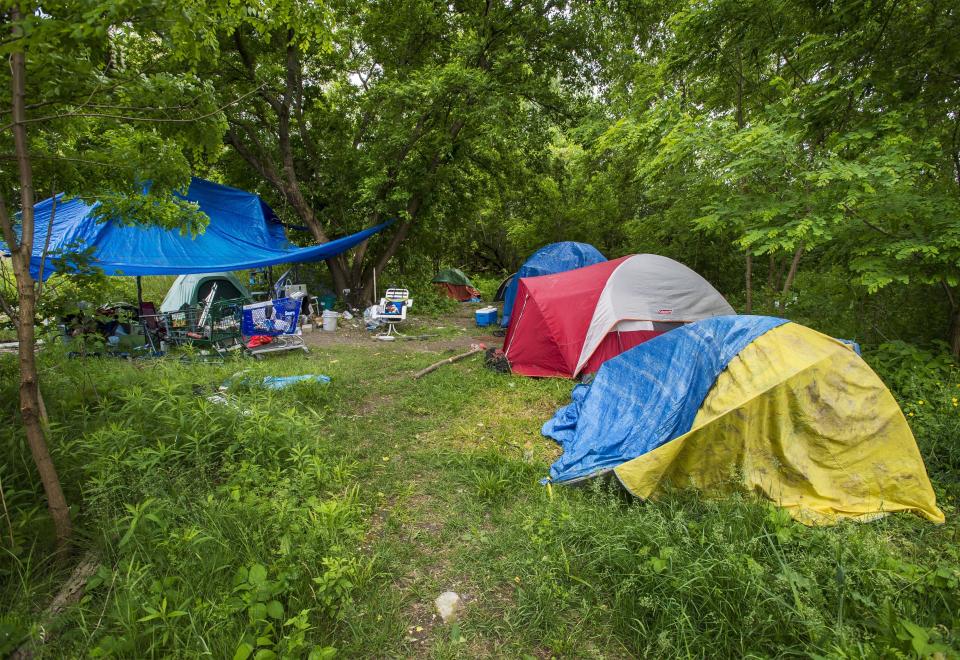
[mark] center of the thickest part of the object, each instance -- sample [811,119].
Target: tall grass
[220,527]
[328,517]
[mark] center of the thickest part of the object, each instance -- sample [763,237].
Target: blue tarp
[243,233]
[646,396]
[550,259]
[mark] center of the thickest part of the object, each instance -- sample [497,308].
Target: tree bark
[748,276]
[792,273]
[20,254]
[953,331]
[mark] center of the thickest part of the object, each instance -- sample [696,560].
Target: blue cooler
[486,316]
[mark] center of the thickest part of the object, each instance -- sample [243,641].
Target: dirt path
[457,331]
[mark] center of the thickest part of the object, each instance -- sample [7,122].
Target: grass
[329,517]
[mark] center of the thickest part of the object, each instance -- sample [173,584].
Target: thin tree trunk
[31,409]
[748,276]
[954,330]
[792,273]
[21,252]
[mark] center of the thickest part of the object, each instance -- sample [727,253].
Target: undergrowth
[324,519]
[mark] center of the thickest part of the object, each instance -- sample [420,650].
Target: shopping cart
[215,326]
[277,319]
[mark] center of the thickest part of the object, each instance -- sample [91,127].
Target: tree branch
[159,120]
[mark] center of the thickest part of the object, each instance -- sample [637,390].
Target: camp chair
[153,329]
[393,308]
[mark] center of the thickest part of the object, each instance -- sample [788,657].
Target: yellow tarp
[798,418]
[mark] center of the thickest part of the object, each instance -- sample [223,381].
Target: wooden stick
[474,349]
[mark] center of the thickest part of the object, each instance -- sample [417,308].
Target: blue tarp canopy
[243,233]
[646,396]
[550,259]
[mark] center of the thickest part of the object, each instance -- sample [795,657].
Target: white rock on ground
[448,605]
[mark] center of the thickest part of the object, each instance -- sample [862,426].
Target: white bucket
[330,320]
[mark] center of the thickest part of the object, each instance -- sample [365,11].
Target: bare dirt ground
[451,332]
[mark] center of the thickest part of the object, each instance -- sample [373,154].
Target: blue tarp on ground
[646,396]
[550,259]
[243,233]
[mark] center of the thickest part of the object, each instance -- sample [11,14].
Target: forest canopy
[758,142]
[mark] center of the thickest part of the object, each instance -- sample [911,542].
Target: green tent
[456,284]
[188,290]
[452,276]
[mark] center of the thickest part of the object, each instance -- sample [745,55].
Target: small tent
[548,260]
[570,323]
[751,404]
[188,290]
[455,284]
[502,289]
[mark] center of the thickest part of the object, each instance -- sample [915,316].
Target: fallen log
[474,349]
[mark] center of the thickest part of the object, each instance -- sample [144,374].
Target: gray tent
[188,290]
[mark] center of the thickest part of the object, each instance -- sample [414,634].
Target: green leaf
[258,574]
[275,609]
[243,651]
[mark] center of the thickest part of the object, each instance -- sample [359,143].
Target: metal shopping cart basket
[213,326]
[277,319]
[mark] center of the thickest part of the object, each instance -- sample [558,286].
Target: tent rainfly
[548,260]
[570,323]
[455,284]
[188,290]
[748,404]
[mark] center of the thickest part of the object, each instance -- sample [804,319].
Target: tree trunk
[792,273]
[20,254]
[30,407]
[748,276]
[955,333]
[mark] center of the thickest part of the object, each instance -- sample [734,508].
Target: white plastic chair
[393,309]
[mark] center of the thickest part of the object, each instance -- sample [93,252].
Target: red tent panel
[616,343]
[459,292]
[550,319]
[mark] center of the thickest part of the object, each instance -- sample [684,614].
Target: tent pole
[139,294]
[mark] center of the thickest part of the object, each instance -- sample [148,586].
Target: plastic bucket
[330,320]
[328,301]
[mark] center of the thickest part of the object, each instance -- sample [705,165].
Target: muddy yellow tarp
[801,419]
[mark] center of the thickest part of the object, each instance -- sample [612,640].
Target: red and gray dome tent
[570,323]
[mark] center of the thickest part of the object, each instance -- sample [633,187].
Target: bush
[927,386]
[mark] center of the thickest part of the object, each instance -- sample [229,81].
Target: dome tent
[570,323]
[747,404]
[549,260]
[188,290]
[501,294]
[455,283]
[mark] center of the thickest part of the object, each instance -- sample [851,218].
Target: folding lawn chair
[393,309]
[153,328]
